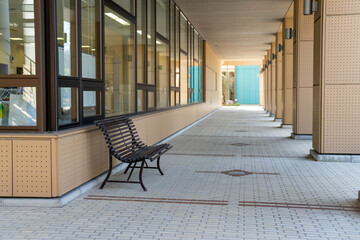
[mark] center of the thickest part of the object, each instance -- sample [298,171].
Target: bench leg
[140,175]
[158,165]
[131,172]
[109,171]
[127,168]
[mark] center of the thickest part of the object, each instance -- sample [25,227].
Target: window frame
[37,80]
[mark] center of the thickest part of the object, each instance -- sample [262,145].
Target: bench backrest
[121,135]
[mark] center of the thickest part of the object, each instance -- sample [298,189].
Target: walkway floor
[234,175]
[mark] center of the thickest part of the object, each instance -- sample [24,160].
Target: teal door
[247,84]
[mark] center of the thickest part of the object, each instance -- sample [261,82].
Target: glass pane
[151,99]
[18,106]
[172,98]
[172,45]
[162,74]
[119,65]
[177,44]
[151,42]
[66,37]
[92,103]
[90,34]
[184,78]
[17,38]
[196,82]
[67,105]
[141,40]
[177,98]
[128,5]
[141,100]
[162,17]
[196,45]
[183,32]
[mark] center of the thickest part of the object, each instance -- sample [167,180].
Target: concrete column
[303,72]
[273,80]
[336,133]
[268,77]
[287,69]
[279,76]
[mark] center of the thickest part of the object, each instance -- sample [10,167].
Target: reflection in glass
[183,78]
[91,103]
[172,98]
[172,46]
[196,45]
[162,74]
[141,40]
[183,33]
[151,42]
[119,65]
[128,5]
[177,43]
[90,34]
[17,38]
[66,37]
[151,99]
[18,106]
[141,100]
[162,17]
[67,105]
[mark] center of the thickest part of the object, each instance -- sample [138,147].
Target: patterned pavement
[234,175]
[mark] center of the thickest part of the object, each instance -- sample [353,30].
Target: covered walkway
[234,175]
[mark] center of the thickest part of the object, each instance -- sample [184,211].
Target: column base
[271,115]
[359,195]
[301,136]
[278,120]
[286,126]
[267,112]
[334,157]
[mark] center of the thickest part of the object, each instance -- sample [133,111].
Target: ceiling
[237,30]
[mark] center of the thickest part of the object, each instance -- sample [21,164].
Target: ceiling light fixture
[118,19]
[16,39]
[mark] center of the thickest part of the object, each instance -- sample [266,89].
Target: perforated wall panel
[306,60]
[31,168]
[305,28]
[6,168]
[317,119]
[342,6]
[342,114]
[305,105]
[342,49]
[81,163]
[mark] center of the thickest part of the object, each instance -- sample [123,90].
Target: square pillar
[269,86]
[303,72]
[287,68]
[336,115]
[279,76]
[273,79]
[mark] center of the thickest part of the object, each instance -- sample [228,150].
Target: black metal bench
[125,145]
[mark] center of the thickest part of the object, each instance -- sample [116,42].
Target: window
[183,33]
[141,41]
[91,103]
[128,5]
[151,42]
[119,65]
[17,38]
[66,37]
[90,34]
[162,17]
[67,106]
[162,74]
[18,106]
[184,78]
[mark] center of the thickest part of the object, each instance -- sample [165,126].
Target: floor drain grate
[239,144]
[237,173]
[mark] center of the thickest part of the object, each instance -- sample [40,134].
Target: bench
[125,145]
